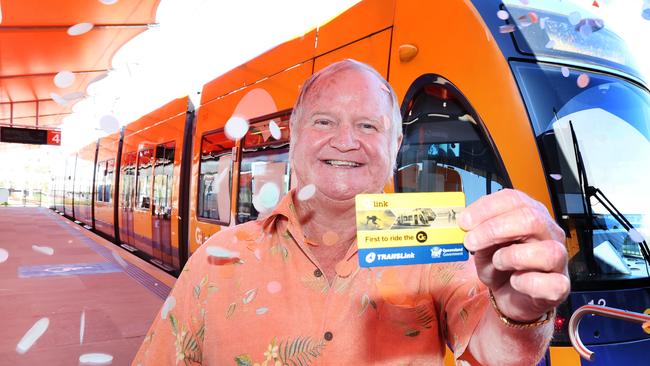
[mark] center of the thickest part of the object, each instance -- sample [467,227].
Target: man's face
[342,143]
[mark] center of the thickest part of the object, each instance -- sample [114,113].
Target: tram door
[162,204]
[127,190]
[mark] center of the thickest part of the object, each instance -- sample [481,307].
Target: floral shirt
[253,294]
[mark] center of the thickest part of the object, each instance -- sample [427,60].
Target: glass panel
[163,180]
[144,179]
[99,178]
[265,160]
[595,143]
[127,186]
[215,177]
[444,149]
[108,180]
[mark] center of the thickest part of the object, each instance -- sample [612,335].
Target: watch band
[517,324]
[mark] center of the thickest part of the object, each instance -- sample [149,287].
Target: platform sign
[20,135]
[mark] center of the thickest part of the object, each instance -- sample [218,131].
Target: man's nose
[345,138]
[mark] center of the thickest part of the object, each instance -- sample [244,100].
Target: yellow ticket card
[409,228]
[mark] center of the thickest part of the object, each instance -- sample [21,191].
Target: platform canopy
[40,39]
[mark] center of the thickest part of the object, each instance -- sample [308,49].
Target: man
[288,289]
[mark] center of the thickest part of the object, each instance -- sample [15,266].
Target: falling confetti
[109,124]
[82,327]
[542,22]
[95,359]
[274,287]
[503,15]
[43,250]
[3,255]
[269,195]
[509,28]
[307,192]
[236,128]
[550,44]
[32,335]
[64,79]
[565,71]
[220,252]
[330,238]
[98,77]
[258,254]
[261,311]
[556,176]
[108,2]
[534,18]
[635,236]
[275,130]
[60,101]
[79,29]
[74,95]
[645,13]
[583,80]
[585,30]
[169,304]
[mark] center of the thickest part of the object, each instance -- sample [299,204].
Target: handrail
[605,311]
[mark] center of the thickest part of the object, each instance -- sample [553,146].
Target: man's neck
[330,227]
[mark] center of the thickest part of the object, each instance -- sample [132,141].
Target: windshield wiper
[591,191]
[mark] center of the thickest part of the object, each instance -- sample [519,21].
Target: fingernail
[470,242]
[497,260]
[465,220]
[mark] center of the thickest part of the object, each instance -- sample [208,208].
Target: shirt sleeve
[461,300]
[177,333]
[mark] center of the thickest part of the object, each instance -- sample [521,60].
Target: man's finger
[544,256]
[493,205]
[516,225]
[550,287]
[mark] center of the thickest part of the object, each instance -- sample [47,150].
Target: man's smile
[342,163]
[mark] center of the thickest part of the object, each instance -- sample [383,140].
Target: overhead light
[79,29]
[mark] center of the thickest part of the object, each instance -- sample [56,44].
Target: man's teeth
[342,163]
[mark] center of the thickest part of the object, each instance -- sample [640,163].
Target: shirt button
[318,272]
[328,336]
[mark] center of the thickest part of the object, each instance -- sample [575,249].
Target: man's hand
[519,253]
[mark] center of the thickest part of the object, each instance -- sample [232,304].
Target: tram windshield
[593,132]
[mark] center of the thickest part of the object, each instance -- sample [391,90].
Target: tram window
[163,179]
[127,182]
[265,160]
[444,148]
[108,180]
[215,177]
[99,178]
[143,193]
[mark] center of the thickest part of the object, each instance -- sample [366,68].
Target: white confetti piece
[503,15]
[509,28]
[82,327]
[108,2]
[43,250]
[109,124]
[79,29]
[585,30]
[98,77]
[119,260]
[565,71]
[258,254]
[307,192]
[636,236]
[574,18]
[60,101]
[262,310]
[32,335]
[220,252]
[64,79]
[74,95]
[269,195]
[275,130]
[3,255]
[236,128]
[95,359]
[550,44]
[169,304]
[556,176]
[583,80]
[542,22]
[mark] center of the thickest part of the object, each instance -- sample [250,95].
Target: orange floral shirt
[254,295]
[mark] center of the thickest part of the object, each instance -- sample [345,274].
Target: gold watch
[517,324]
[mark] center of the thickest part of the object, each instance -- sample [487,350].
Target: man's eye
[368,126]
[322,122]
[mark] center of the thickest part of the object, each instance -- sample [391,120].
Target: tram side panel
[149,184]
[221,191]
[105,182]
[68,185]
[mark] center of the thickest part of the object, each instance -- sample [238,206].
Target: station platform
[85,294]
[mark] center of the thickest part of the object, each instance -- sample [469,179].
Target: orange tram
[494,94]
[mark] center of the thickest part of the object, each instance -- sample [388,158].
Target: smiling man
[287,289]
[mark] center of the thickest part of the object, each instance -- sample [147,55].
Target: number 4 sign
[53,137]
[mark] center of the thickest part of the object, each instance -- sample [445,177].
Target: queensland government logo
[436,252]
